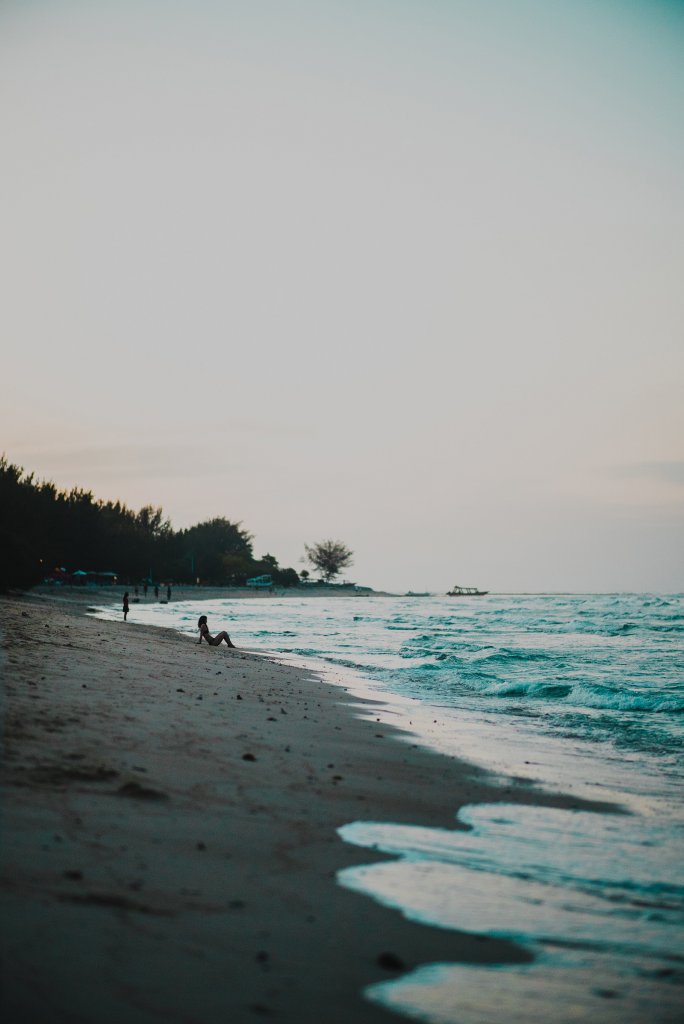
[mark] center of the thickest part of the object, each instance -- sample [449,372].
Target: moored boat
[466,592]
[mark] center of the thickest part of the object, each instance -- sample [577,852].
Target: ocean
[581,694]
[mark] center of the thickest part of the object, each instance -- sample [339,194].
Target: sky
[401,273]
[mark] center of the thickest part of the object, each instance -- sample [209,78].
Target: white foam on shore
[540,876]
[506,746]
[564,986]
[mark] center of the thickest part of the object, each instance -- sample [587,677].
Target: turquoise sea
[582,694]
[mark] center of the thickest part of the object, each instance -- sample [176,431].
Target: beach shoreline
[96,594]
[170,813]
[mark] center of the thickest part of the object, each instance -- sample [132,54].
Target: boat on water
[466,592]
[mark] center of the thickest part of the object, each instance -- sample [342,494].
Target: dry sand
[169,846]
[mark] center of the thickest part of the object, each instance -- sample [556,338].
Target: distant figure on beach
[213,641]
[168,593]
[156,590]
[125,605]
[135,590]
[145,589]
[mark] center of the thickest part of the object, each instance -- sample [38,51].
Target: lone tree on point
[329,557]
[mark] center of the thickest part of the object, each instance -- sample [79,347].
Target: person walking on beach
[213,641]
[125,605]
[168,592]
[156,591]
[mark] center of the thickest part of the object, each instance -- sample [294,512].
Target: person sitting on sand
[213,641]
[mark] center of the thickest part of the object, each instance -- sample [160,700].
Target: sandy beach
[169,816]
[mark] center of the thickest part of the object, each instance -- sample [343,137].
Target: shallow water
[579,693]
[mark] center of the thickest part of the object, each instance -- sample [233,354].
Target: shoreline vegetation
[170,814]
[69,536]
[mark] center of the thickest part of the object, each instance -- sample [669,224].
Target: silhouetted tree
[281,577]
[329,557]
[21,550]
[220,551]
[42,528]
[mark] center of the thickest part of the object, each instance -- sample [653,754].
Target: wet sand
[169,816]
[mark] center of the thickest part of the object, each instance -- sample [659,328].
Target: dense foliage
[42,528]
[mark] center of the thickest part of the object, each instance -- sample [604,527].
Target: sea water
[582,694]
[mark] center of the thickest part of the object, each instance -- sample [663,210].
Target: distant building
[264,582]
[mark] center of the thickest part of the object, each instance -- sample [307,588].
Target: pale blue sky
[404,274]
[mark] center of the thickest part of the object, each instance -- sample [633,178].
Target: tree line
[42,528]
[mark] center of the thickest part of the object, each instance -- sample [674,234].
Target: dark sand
[169,850]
